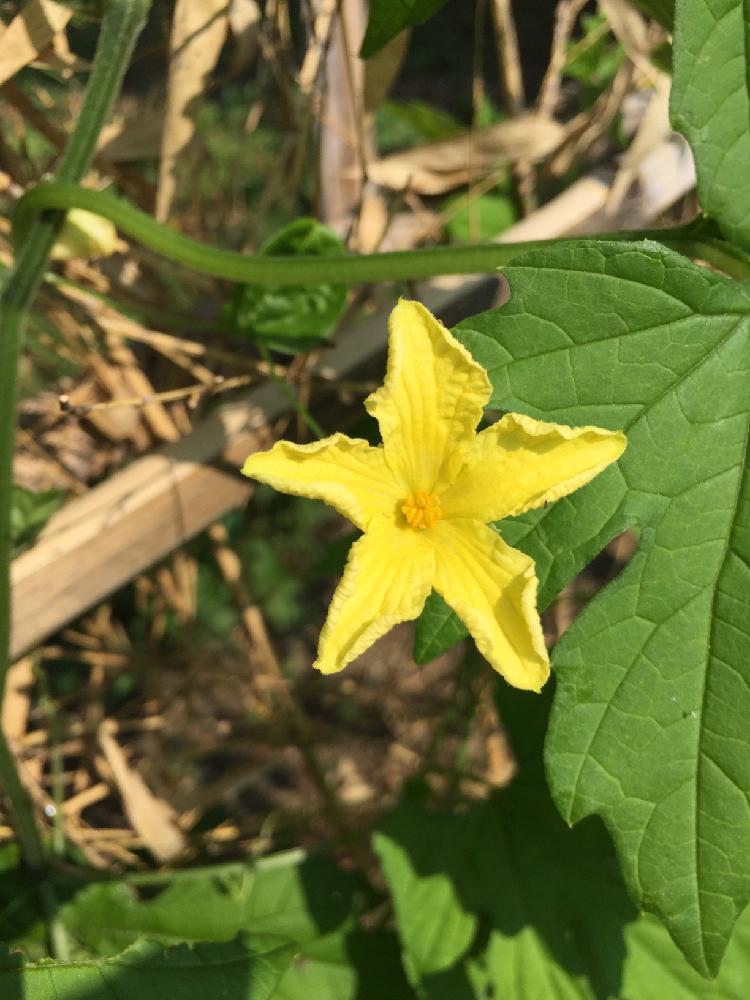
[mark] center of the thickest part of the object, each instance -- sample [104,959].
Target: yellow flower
[423,499]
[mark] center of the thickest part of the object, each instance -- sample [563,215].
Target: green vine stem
[121,25]
[696,239]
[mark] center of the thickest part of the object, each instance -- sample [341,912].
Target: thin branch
[509,60]
[566,15]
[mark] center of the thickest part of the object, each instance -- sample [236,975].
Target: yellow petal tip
[326,668]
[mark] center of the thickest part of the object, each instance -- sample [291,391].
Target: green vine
[696,239]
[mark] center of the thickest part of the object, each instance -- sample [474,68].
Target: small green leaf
[29,513]
[710,105]
[290,318]
[595,58]
[491,214]
[421,854]
[650,722]
[438,628]
[243,970]
[388,17]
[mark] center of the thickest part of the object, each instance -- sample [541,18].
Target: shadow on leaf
[504,892]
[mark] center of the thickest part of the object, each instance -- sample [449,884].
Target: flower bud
[85,234]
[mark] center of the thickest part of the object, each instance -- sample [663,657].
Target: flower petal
[492,588]
[520,463]
[346,473]
[431,400]
[386,581]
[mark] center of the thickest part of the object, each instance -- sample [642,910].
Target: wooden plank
[103,539]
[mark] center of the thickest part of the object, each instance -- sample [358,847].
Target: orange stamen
[421,509]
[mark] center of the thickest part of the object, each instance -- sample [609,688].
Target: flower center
[421,509]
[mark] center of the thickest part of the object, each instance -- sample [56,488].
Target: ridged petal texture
[519,463]
[346,473]
[492,588]
[430,402]
[386,581]
[423,497]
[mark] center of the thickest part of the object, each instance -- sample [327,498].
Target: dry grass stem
[509,59]
[566,16]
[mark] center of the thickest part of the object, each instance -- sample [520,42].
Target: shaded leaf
[290,318]
[357,965]
[21,923]
[307,900]
[505,900]
[29,513]
[657,969]
[388,17]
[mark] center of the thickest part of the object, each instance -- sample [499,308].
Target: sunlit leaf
[305,900]
[247,969]
[649,728]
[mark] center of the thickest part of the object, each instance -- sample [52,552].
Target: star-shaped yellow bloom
[423,499]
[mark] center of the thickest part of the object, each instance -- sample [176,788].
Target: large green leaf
[307,900]
[710,104]
[388,17]
[650,725]
[241,970]
[657,970]
[505,900]
[292,895]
